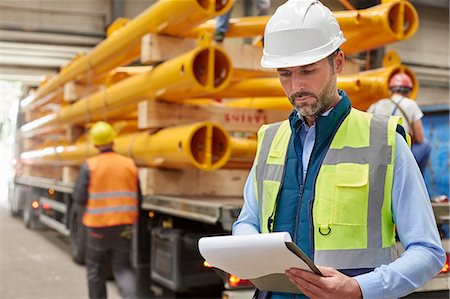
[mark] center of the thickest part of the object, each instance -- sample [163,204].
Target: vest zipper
[300,193]
[299,206]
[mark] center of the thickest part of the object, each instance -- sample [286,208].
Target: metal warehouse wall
[436,126]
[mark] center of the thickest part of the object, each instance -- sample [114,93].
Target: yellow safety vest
[352,216]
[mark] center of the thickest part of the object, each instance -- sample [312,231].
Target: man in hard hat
[107,186]
[337,179]
[400,87]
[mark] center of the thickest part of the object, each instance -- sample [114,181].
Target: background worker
[222,22]
[107,186]
[400,87]
[339,180]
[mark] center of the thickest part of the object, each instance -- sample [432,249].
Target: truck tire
[77,236]
[13,198]
[30,215]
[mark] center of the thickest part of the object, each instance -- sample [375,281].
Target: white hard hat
[300,32]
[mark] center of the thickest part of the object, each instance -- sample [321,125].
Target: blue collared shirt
[413,216]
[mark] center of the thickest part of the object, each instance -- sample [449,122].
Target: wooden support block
[351,67]
[70,174]
[192,182]
[157,48]
[245,58]
[45,171]
[72,133]
[161,114]
[29,144]
[30,115]
[74,91]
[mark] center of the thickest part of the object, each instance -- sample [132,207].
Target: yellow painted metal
[368,87]
[172,17]
[204,70]
[364,29]
[107,79]
[262,103]
[243,152]
[238,27]
[378,26]
[127,113]
[118,24]
[254,87]
[121,73]
[246,73]
[363,88]
[70,155]
[202,145]
[258,103]
[55,96]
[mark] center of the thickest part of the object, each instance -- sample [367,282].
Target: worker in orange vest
[108,188]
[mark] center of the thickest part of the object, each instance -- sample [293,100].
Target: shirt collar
[323,114]
[326,113]
[297,120]
[397,97]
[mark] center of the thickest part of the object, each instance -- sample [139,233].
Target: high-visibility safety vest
[112,191]
[351,216]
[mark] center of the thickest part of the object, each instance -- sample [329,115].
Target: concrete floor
[37,264]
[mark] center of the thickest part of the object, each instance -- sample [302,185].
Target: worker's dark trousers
[104,245]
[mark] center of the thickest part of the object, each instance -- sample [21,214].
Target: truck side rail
[210,210]
[45,183]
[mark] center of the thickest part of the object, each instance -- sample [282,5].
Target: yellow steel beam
[378,26]
[364,29]
[202,145]
[199,72]
[172,17]
[107,79]
[243,152]
[363,88]
[266,103]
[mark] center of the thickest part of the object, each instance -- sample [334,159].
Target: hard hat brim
[301,59]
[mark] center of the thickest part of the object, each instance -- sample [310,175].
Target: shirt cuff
[371,285]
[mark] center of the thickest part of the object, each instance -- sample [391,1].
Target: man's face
[311,89]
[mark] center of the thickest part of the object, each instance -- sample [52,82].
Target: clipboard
[260,258]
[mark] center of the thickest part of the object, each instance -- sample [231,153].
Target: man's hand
[334,284]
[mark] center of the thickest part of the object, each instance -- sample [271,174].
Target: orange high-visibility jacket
[112,191]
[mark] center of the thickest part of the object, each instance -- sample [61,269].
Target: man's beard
[321,103]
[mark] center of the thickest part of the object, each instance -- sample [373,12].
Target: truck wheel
[77,236]
[13,198]
[16,213]
[29,214]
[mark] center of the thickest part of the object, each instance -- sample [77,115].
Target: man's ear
[339,61]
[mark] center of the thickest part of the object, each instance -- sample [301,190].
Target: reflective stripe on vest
[112,191]
[270,169]
[355,220]
[101,195]
[350,195]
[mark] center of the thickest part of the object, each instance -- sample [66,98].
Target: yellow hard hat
[102,133]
